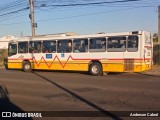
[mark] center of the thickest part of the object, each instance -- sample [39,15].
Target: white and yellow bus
[98,53]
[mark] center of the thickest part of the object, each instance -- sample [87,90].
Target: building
[58,34]
[4,41]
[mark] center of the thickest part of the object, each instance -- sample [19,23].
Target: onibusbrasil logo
[21,114]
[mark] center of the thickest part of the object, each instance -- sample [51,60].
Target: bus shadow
[78,72]
[63,71]
[115,73]
[7,106]
[76,96]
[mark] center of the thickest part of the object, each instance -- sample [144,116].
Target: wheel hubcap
[95,69]
[27,67]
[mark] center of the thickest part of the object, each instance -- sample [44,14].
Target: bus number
[104,59]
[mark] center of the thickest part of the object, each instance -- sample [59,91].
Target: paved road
[64,91]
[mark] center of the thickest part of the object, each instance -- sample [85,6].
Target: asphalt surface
[78,91]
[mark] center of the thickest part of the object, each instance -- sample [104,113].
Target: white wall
[3,45]
[4,41]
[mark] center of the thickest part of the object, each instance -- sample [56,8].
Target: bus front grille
[128,65]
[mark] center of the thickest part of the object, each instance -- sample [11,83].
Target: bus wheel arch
[26,66]
[95,68]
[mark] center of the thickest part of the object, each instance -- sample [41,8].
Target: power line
[50,9]
[23,9]
[17,4]
[82,4]
[97,3]
[25,22]
[12,17]
[93,13]
[13,5]
[11,8]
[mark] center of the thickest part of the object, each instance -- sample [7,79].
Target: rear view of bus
[138,56]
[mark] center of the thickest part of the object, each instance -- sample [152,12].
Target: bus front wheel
[27,66]
[95,69]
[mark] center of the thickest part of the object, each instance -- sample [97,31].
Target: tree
[155,35]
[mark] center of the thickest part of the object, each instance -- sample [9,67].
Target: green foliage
[155,35]
[155,39]
[156,54]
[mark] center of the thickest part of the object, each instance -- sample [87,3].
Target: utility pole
[158,24]
[31,16]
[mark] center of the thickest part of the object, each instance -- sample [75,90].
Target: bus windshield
[12,49]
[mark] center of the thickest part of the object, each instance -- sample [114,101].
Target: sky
[51,17]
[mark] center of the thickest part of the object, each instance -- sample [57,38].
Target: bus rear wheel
[27,66]
[95,69]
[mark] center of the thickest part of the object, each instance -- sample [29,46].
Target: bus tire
[27,66]
[95,69]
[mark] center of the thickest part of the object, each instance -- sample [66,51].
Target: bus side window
[31,49]
[23,47]
[49,47]
[64,46]
[35,47]
[69,46]
[129,44]
[80,45]
[116,44]
[39,47]
[110,44]
[85,45]
[97,45]
[132,44]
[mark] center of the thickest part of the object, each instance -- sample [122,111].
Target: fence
[156,54]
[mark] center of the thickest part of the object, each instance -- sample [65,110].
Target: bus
[97,53]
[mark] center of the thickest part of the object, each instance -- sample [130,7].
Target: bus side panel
[14,64]
[63,65]
[59,62]
[113,67]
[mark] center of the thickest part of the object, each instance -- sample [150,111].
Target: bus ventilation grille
[128,65]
